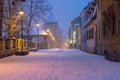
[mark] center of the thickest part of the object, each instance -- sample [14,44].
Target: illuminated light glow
[21,12]
[50,33]
[74,41]
[70,41]
[74,34]
[53,38]
[37,24]
[44,33]
[48,30]
[66,44]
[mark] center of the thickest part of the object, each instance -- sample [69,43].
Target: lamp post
[38,25]
[21,14]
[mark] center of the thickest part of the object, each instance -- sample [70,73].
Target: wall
[91,43]
[110,42]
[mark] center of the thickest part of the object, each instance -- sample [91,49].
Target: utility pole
[38,25]
[21,14]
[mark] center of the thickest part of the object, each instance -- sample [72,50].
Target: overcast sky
[67,10]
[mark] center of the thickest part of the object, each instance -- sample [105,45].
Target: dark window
[87,35]
[114,25]
[104,29]
[118,27]
[99,31]
[92,30]
[98,4]
[90,34]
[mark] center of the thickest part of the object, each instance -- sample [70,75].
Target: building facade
[85,17]
[83,30]
[54,37]
[91,28]
[75,34]
[108,36]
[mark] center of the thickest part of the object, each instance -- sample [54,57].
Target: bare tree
[11,17]
[34,11]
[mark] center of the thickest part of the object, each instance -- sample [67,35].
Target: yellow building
[108,28]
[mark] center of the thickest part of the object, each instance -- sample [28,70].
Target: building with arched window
[108,36]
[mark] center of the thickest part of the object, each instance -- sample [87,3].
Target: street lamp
[21,14]
[48,30]
[21,52]
[38,25]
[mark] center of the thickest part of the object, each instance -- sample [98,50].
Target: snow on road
[57,64]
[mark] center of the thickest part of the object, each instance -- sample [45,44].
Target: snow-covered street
[57,64]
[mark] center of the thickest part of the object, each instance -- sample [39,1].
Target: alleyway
[57,64]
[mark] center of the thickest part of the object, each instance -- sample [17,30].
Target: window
[104,29]
[99,31]
[114,25]
[87,35]
[118,27]
[92,30]
[90,34]
[98,4]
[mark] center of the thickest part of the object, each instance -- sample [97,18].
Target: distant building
[108,36]
[88,27]
[52,25]
[42,40]
[72,37]
[74,34]
[83,20]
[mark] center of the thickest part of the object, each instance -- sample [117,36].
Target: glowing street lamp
[37,24]
[48,30]
[66,44]
[53,38]
[50,33]
[44,33]
[21,12]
